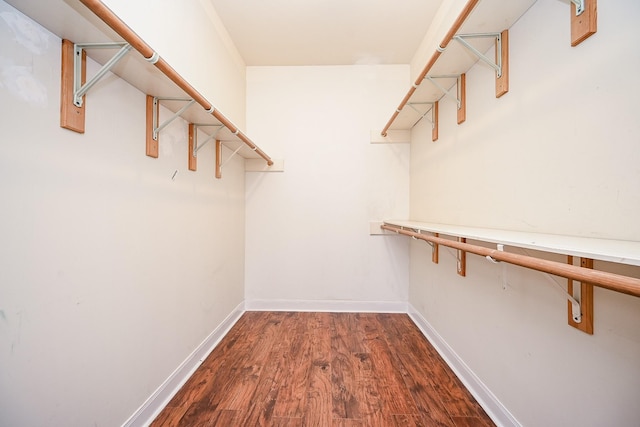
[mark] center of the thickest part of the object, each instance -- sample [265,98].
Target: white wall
[308,228]
[188,34]
[558,154]
[111,273]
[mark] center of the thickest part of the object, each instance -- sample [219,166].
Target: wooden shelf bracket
[462,259]
[74,87]
[584,20]
[194,147]
[153,126]
[501,63]
[435,251]
[580,309]
[219,163]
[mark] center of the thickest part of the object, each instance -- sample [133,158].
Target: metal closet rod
[471,4]
[116,24]
[615,282]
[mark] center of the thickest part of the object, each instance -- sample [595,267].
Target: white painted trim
[324,305]
[489,402]
[150,409]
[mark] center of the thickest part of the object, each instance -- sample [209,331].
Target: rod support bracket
[462,259]
[497,64]
[580,309]
[579,6]
[157,127]
[584,20]
[214,135]
[501,62]
[79,89]
[447,92]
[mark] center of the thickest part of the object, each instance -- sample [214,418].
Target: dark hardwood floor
[323,369]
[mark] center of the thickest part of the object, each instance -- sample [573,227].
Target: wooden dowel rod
[468,8]
[615,282]
[471,4]
[116,24]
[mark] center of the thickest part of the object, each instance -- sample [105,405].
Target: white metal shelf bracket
[579,6]
[456,97]
[575,308]
[497,64]
[501,63]
[460,97]
[219,163]
[79,89]
[196,146]
[231,156]
[423,115]
[156,103]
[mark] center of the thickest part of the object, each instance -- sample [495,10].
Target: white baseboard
[159,399]
[342,306]
[489,402]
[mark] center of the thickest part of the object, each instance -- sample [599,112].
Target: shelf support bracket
[496,65]
[156,103]
[80,89]
[219,163]
[501,63]
[447,92]
[460,97]
[584,20]
[579,6]
[435,250]
[194,147]
[580,310]
[153,128]
[434,116]
[73,81]
[218,159]
[462,259]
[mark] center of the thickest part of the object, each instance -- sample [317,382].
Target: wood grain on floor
[326,370]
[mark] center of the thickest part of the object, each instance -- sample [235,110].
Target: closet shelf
[579,308]
[90,21]
[452,58]
[617,251]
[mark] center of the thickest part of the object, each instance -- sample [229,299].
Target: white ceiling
[326,32]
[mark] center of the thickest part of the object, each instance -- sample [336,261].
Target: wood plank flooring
[291,369]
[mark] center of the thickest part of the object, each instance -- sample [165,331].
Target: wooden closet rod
[612,281]
[447,38]
[116,24]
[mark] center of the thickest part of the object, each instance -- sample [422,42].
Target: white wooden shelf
[618,251]
[71,20]
[488,16]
